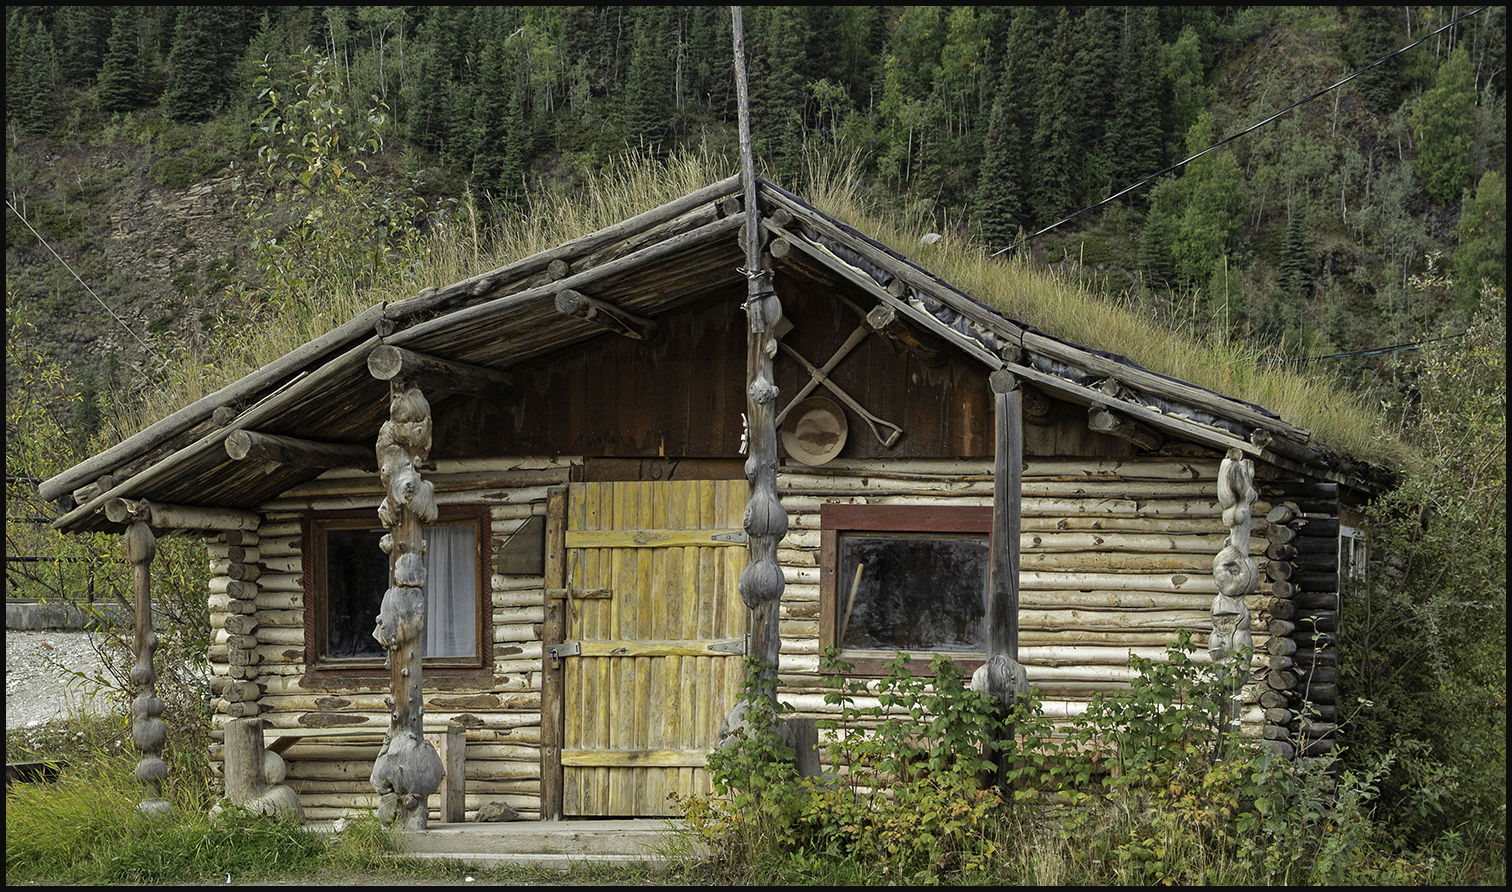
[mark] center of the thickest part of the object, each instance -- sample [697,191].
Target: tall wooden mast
[765,519]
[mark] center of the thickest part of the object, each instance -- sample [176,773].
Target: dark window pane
[357,574]
[914,592]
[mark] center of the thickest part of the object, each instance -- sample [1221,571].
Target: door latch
[566,649]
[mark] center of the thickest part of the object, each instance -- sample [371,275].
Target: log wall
[1299,691]
[1116,558]
[258,654]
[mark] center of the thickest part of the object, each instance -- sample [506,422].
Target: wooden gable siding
[680,395]
[943,408]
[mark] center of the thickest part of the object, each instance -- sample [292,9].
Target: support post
[408,769]
[148,730]
[1002,676]
[1236,575]
[766,520]
[553,631]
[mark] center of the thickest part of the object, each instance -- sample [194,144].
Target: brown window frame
[837,520]
[318,665]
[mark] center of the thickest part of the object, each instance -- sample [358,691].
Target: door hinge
[740,646]
[738,537]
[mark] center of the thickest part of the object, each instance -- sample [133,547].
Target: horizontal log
[387,362]
[180,517]
[1182,582]
[245,445]
[1115,424]
[607,315]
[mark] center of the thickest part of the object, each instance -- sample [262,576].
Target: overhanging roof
[653,263]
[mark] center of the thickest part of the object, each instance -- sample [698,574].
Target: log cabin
[523,514]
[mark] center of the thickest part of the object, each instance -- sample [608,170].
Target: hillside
[131,127]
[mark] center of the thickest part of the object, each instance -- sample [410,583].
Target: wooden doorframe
[553,632]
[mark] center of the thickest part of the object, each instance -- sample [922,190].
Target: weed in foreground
[1128,792]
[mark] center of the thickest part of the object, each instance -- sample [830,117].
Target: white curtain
[451,591]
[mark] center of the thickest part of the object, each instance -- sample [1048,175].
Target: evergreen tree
[1155,242]
[1094,75]
[199,64]
[777,93]
[81,33]
[648,88]
[1136,142]
[498,146]
[1296,259]
[120,82]
[1000,183]
[1058,152]
[37,110]
[1374,33]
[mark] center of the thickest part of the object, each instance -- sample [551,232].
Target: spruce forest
[1318,188]
[1305,235]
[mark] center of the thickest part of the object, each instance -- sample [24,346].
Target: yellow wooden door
[659,629]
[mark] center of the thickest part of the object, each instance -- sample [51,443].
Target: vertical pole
[766,520]
[407,769]
[1008,471]
[1002,676]
[148,731]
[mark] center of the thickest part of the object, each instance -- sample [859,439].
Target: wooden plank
[654,538]
[644,758]
[650,647]
[644,682]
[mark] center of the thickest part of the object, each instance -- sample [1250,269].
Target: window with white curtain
[348,574]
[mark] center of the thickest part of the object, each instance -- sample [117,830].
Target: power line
[1115,196]
[70,269]
[1373,351]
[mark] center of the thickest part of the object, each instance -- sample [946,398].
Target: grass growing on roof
[463,246]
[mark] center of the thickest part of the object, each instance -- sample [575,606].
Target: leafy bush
[1127,792]
[903,803]
[1426,649]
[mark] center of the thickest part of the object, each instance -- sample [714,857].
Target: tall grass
[473,240]
[85,829]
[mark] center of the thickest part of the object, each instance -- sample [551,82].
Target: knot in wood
[761,582]
[762,389]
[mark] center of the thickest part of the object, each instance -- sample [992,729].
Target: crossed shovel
[821,376]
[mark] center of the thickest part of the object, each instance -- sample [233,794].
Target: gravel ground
[38,686]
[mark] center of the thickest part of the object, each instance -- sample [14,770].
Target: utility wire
[1115,196]
[70,269]
[1373,351]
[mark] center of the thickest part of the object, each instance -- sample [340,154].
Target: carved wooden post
[407,769]
[148,731]
[1235,575]
[766,520]
[1002,676]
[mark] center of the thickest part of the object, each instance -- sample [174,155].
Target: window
[348,573]
[1353,555]
[904,578]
